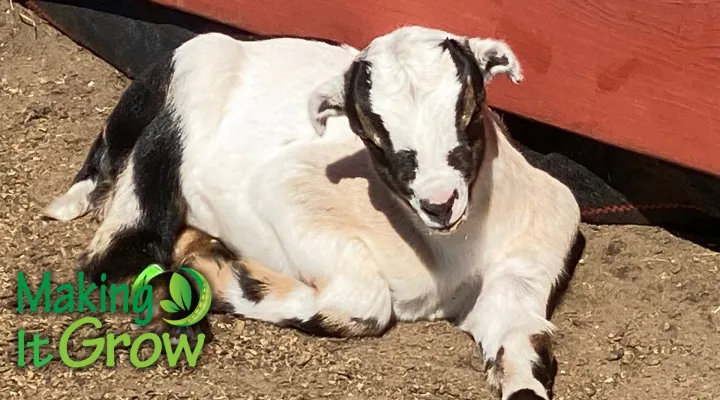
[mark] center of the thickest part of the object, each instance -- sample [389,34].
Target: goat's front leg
[508,321]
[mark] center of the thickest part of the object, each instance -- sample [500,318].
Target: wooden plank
[641,74]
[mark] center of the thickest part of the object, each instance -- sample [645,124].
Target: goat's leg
[341,306]
[509,323]
[145,211]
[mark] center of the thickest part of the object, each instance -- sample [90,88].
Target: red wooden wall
[641,74]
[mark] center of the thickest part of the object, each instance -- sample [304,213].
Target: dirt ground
[641,319]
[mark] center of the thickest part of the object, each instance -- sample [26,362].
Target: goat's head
[415,97]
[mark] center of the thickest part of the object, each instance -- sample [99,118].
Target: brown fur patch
[272,283]
[495,370]
[545,369]
[540,341]
[219,265]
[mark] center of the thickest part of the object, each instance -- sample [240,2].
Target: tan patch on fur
[219,265]
[366,211]
[316,284]
[216,272]
[208,256]
[191,241]
[276,284]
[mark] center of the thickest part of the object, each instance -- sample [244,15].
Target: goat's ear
[327,101]
[496,57]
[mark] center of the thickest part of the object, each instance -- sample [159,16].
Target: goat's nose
[439,212]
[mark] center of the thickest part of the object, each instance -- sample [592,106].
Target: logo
[181,294]
[84,296]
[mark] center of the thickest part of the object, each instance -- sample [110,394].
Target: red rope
[627,208]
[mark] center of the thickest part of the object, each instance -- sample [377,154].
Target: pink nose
[443,196]
[440,211]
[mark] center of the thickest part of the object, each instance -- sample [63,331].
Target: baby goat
[398,196]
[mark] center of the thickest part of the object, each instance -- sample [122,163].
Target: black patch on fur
[138,106]
[396,168]
[358,105]
[545,369]
[253,289]
[156,179]
[129,247]
[571,262]
[496,362]
[220,306]
[405,165]
[463,158]
[375,327]
[327,105]
[93,160]
[467,157]
[494,60]
[524,394]
[318,326]
[314,326]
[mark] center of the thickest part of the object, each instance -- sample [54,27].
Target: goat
[352,188]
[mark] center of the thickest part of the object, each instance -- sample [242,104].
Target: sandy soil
[641,319]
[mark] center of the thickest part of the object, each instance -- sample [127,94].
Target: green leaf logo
[180,291]
[144,278]
[169,306]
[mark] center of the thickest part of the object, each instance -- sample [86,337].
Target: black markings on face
[405,165]
[396,168]
[467,157]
